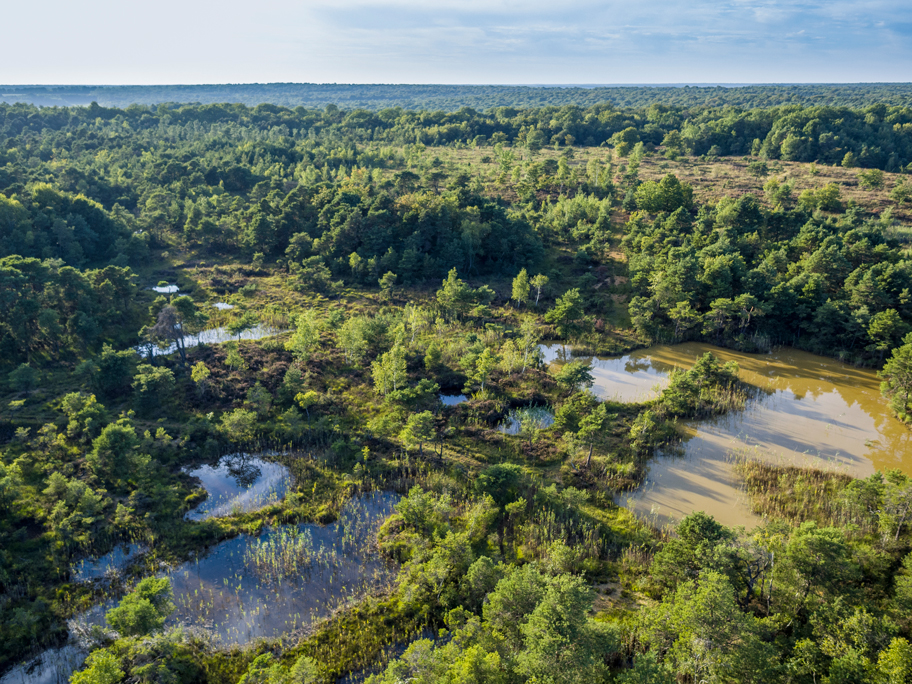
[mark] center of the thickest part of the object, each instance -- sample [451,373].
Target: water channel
[810,411]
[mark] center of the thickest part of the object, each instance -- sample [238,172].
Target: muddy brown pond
[809,411]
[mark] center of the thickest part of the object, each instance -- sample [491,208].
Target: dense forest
[450,98]
[312,286]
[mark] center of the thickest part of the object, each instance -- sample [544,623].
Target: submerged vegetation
[359,300]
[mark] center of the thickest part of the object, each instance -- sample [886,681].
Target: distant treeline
[877,136]
[451,98]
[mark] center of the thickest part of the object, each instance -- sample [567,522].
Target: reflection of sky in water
[453,399]
[541,417]
[213,336]
[809,411]
[628,378]
[53,666]
[239,483]
[219,591]
[110,563]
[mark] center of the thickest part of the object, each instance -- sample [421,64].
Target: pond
[256,586]
[535,417]
[286,577]
[633,377]
[453,399]
[53,666]
[107,565]
[809,411]
[239,483]
[212,336]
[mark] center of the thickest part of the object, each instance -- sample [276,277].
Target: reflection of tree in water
[638,365]
[244,472]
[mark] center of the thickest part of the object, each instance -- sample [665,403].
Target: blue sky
[448,41]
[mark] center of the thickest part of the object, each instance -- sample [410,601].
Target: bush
[24,378]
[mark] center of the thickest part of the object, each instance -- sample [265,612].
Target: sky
[456,41]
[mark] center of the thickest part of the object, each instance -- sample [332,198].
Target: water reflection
[232,597]
[239,483]
[453,399]
[239,599]
[812,411]
[633,377]
[109,564]
[531,418]
[213,336]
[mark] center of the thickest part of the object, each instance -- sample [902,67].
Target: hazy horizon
[459,43]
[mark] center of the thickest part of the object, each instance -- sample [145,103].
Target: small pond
[286,577]
[107,565]
[53,666]
[809,411]
[213,336]
[239,483]
[256,586]
[453,399]
[634,377]
[535,417]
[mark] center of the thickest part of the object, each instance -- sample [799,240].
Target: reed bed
[795,493]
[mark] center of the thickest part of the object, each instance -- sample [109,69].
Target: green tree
[591,428]
[567,316]
[706,635]
[667,195]
[352,338]
[239,426]
[85,416]
[200,375]
[387,283]
[521,287]
[419,428]
[355,263]
[871,179]
[24,378]
[144,610]
[901,193]
[101,667]
[894,664]
[152,388]
[484,366]
[306,337]
[561,644]
[389,371]
[539,282]
[897,379]
[530,336]
[885,331]
[454,296]
[259,399]
[113,452]
[574,375]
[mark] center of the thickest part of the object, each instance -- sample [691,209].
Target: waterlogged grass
[286,578]
[793,493]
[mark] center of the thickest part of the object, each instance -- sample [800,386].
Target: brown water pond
[809,411]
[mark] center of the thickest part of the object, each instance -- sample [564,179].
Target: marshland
[518,396]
